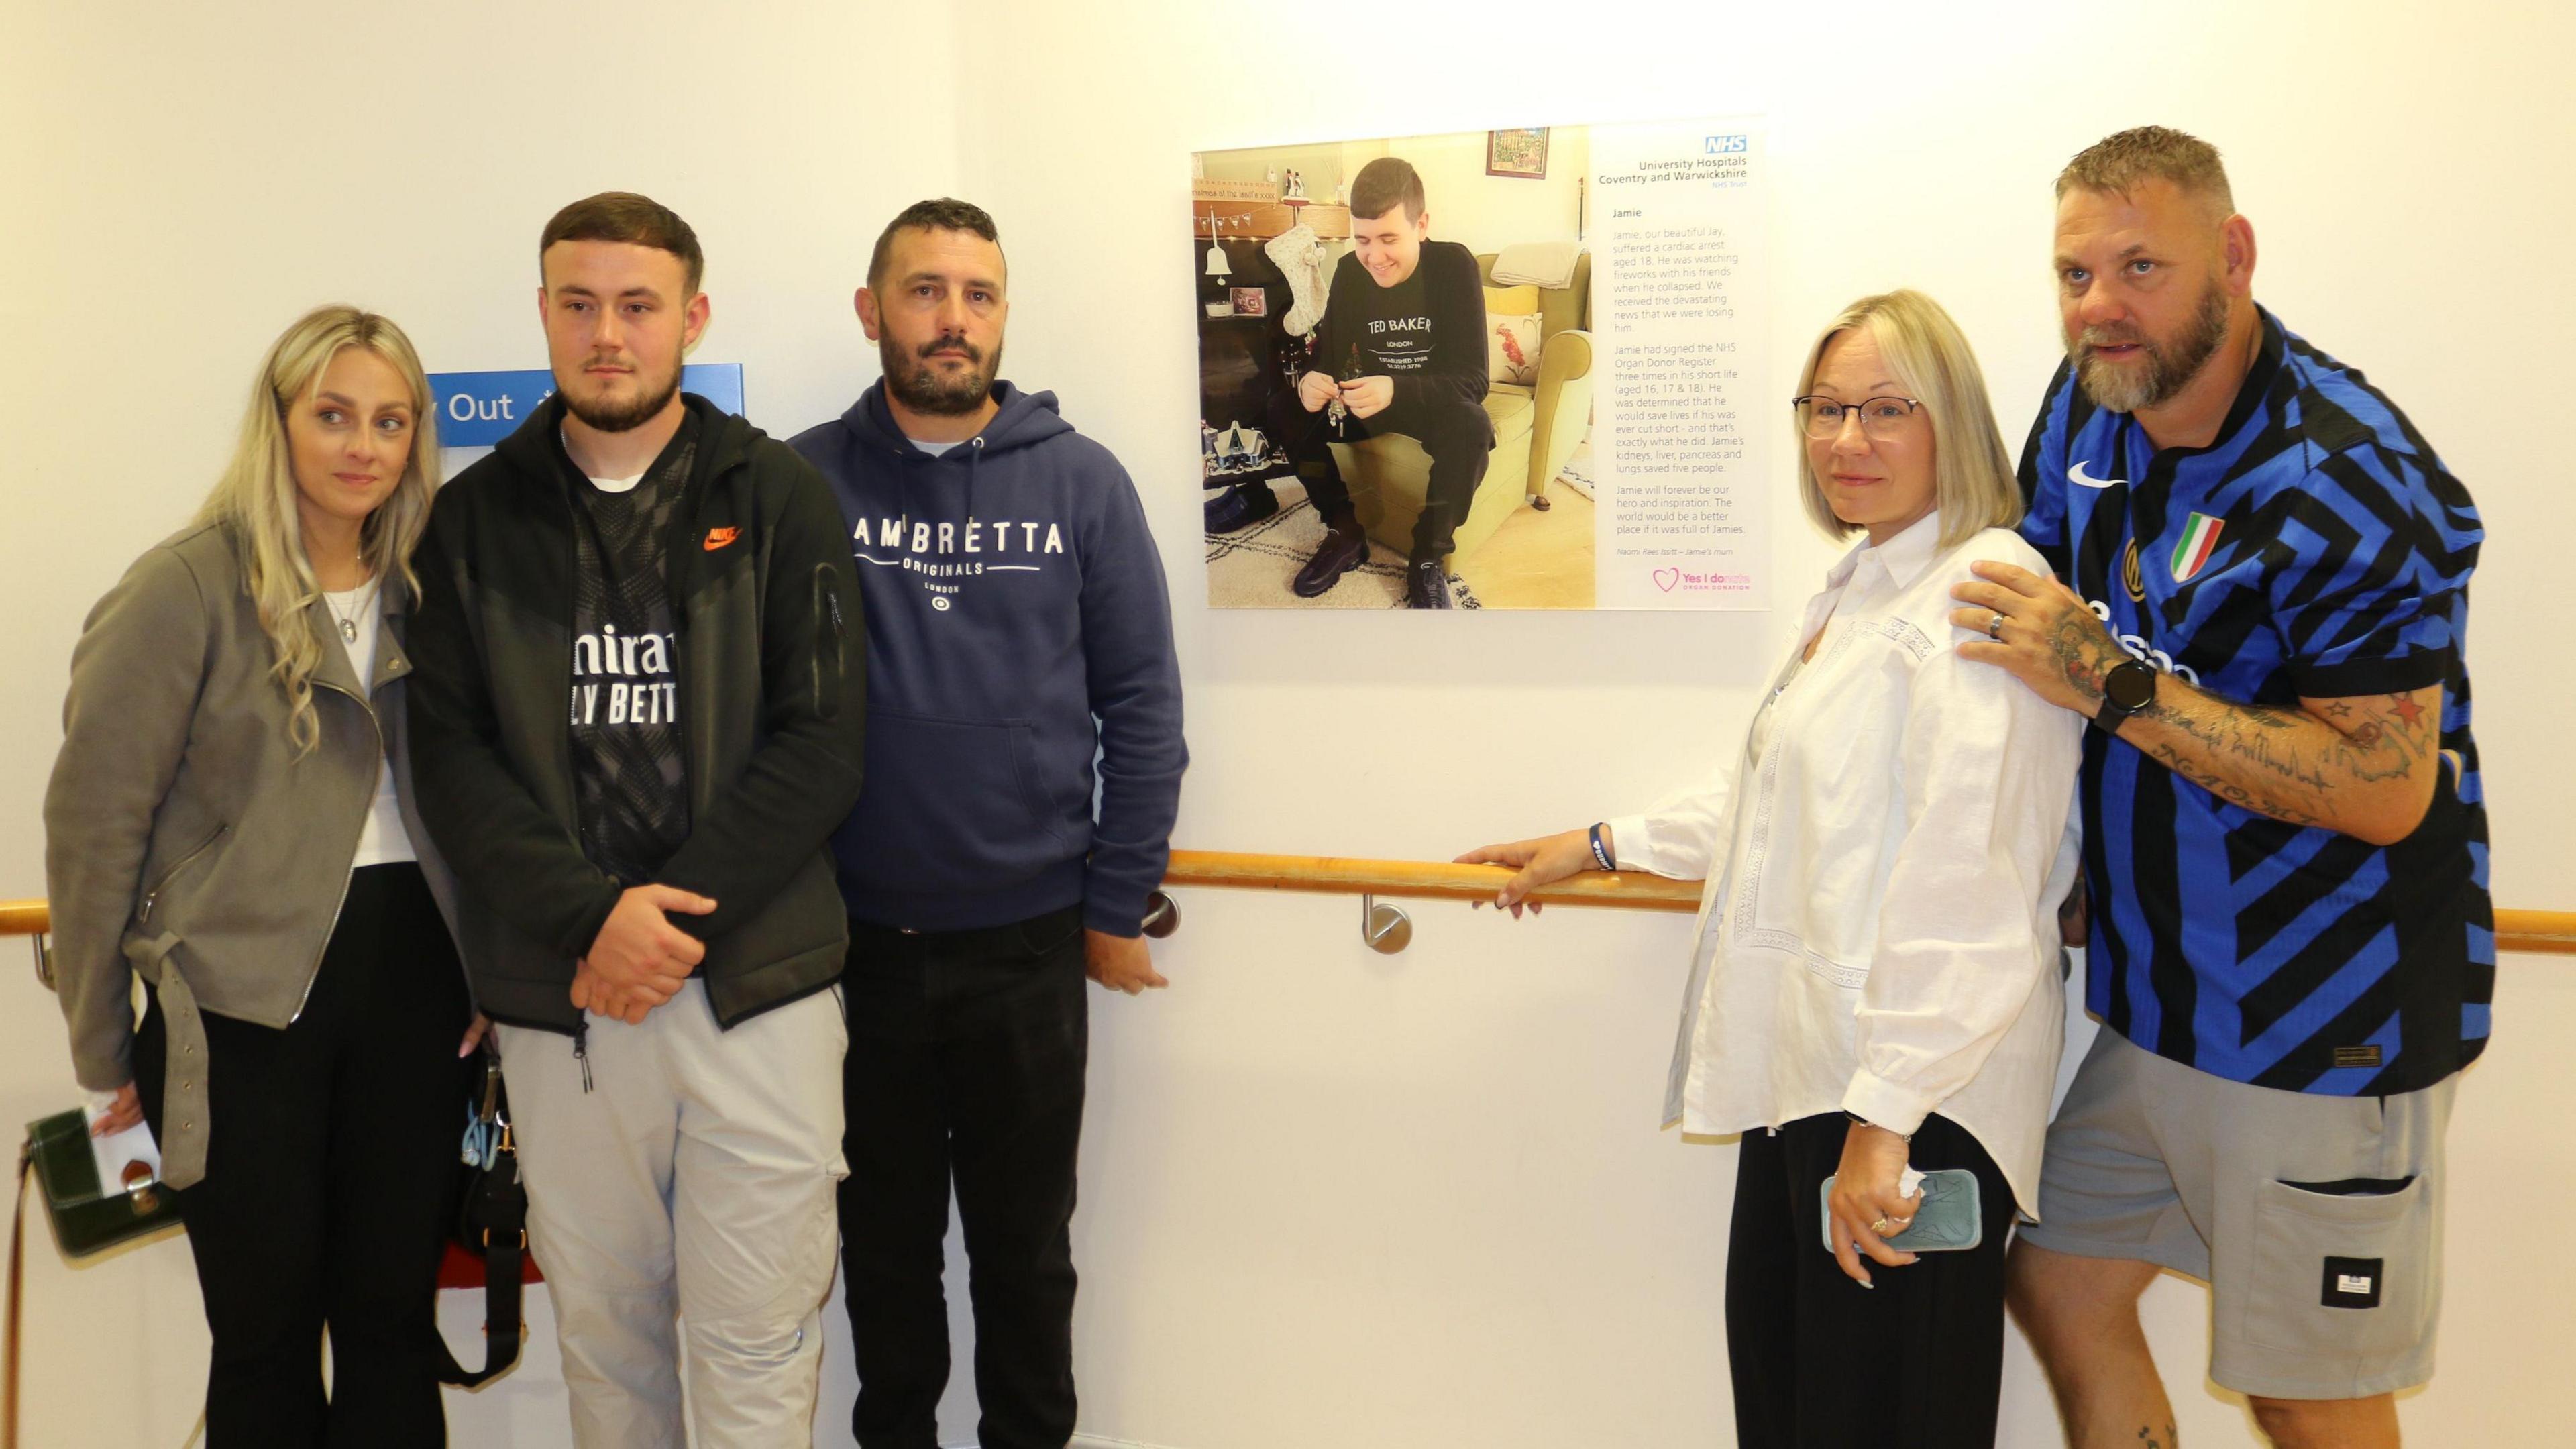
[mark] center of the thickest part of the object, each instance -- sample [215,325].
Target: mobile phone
[1950,1218]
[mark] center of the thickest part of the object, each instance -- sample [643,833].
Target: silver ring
[1995,628]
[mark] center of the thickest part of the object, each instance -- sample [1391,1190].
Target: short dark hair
[939,213]
[625,216]
[1383,185]
[2118,162]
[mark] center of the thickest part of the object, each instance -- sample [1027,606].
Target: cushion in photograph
[1512,350]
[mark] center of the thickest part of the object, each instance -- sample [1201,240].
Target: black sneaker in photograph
[1426,585]
[1341,551]
[1240,506]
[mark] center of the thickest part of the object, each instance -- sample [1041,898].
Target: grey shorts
[2316,1221]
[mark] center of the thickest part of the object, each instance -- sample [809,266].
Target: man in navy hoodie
[1018,628]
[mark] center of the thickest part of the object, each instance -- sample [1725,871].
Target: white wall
[1329,1198]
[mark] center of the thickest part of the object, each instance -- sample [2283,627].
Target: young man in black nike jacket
[637,714]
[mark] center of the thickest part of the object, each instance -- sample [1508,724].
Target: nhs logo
[1723,145]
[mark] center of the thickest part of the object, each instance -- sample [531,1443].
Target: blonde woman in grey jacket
[230,822]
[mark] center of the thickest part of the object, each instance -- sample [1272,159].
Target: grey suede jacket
[186,839]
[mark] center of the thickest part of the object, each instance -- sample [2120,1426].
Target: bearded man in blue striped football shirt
[2263,610]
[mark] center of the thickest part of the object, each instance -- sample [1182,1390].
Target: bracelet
[1865,1122]
[1601,852]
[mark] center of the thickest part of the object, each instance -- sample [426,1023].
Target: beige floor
[1537,560]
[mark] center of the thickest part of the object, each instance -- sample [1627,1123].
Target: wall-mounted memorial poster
[1429,380]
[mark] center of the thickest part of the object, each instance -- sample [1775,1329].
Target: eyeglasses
[1880,417]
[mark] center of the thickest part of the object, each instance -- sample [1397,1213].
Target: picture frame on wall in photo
[1521,153]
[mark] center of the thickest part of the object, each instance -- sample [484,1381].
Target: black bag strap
[494,1222]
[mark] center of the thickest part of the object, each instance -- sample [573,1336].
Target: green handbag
[88,1216]
[85,1219]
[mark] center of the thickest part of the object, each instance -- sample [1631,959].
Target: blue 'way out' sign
[479,409]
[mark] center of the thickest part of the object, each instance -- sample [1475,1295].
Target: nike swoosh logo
[2076,475]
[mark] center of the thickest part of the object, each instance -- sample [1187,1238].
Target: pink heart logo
[1666,578]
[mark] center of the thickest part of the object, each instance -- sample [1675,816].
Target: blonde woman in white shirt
[1875,979]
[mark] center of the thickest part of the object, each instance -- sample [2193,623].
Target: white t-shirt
[604,485]
[384,840]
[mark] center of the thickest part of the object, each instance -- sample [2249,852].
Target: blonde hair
[256,497]
[1972,476]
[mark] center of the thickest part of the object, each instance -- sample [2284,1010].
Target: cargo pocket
[2340,1268]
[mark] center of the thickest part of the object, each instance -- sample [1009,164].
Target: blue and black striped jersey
[2317,548]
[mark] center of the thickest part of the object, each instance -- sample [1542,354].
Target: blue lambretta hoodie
[1018,627]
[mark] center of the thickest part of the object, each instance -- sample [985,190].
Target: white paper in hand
[114,1152]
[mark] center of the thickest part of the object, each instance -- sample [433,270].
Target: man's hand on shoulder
[1120,963]
[640,959]
[2040,631]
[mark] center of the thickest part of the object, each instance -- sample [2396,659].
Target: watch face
[2130,687]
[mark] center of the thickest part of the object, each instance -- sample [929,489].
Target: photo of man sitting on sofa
[1426,411]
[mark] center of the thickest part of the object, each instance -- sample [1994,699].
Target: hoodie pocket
[829,648]
[950,805]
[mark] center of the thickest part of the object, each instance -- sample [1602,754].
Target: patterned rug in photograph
[1250,568]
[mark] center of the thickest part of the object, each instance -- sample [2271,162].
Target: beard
[608,417]
[2170,366]
[915,383]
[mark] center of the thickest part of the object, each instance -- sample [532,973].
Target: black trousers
[1459,436]
[330,1182]
[1820,1362]
[966,1065]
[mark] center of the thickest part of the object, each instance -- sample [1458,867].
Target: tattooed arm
[2362,766]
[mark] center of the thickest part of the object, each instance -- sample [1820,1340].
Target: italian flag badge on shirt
[2199,541]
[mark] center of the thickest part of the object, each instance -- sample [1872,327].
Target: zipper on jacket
[581,1050]
[377,755]
[153,896]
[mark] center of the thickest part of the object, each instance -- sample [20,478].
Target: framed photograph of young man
[1440,424]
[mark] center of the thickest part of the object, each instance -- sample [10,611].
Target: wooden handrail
[23,918]
[2548,931]
[1336,875]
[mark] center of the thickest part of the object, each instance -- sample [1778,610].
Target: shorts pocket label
[2320,1256]
[2353,1282]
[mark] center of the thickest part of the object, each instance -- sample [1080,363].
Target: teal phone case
[1951,1219]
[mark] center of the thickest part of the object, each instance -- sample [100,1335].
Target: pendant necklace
[348,622]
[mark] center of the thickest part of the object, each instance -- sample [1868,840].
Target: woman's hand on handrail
[1544,860]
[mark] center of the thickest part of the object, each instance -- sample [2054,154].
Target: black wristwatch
[2128,688]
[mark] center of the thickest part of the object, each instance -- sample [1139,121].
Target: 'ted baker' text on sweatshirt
[1018,629]
[1425,334]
